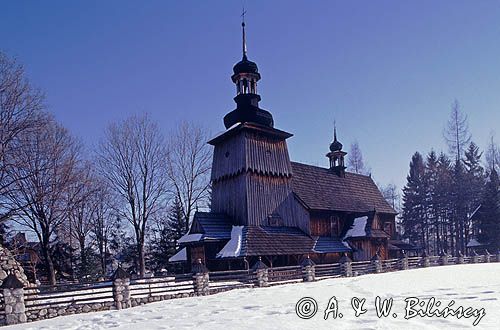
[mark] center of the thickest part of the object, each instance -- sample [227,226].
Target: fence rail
[288,274]
[50,301]
[160,286]
[327,271]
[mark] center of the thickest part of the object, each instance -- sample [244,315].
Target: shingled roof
[208,226]
[329,245]
[321,189]
[260,241]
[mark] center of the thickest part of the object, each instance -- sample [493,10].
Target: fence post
[261,273]
[498,255]
[443,258]
[346,265]
[308,270]
[121,288]
[487,256]
[426,262]
[475,257]
[403,262]
[377,264]
[460,258]
[201,279]
[13,294]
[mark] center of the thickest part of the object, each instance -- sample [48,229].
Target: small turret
[336,155]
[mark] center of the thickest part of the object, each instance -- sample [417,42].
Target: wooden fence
[42,302]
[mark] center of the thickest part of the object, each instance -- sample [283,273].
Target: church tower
[251,169]
[336,156]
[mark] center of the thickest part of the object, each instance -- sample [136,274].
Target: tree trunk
[83,258]
[102,254]
[141,262]
[49,264]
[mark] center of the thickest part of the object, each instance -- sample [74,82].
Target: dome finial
[335,145]
[243,29]
[334,130]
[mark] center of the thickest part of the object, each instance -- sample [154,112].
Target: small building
[27,253]
[264,205]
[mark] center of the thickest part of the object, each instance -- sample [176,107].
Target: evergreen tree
[413,202]
[443,203]
[167,233]
[475,180]
[489,213]
[122,248]
[430,203]
[459,204]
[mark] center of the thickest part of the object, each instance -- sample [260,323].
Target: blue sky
[387,71]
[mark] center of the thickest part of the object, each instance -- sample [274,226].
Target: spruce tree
[459,204]
[489,213]
[443,203]
[430,203]
[475,180]
[413,202]
[167,233]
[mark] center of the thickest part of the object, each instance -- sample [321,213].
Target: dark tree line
[450,199]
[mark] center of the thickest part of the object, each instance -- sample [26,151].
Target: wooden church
[264,205]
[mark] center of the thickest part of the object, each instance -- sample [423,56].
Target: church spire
[244,34]
[336,155]
[245,77]
[334,130]
[335,145]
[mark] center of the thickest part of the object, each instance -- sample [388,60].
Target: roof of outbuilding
[321,189]
[400,245]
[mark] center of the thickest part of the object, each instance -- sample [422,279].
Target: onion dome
[245,66]
[335,145]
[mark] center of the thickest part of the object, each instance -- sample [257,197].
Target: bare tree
[20,105]
[392,196]
[456,132]
[132,159]
[492,155]
[189,165]
[355,159]
[45,167]
[103,222]
[457,137]
[81,213]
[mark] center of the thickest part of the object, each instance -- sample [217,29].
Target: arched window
[245,86]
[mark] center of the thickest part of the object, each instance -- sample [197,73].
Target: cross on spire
[243,28]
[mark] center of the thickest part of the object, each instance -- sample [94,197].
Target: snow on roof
[233,247]
[190,238]
[179,256]
[222,132]
[358,228]
[474,243]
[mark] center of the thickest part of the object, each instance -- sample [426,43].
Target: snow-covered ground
[476,286]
